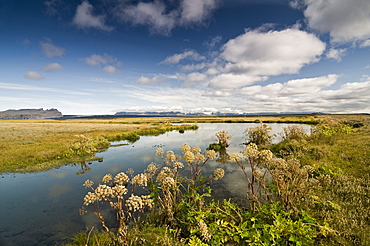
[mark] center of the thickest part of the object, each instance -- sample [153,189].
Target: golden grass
[27,143]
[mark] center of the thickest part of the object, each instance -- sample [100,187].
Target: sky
[94,57]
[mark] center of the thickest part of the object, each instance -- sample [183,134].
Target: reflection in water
[84,167]
[223,156]
[43,208]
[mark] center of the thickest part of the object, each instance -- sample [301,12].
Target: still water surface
[43,208]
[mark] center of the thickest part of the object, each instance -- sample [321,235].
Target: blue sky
[232,56]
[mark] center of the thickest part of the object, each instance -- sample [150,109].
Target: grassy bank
[319,195]
[36,145]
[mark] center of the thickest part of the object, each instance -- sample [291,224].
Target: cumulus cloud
[152,14]
[292,88]
[52,66]
[33,75]
[50,50]
[344,20]
[335,54]
[162,18]
[272,52]
[195,79]
[84,18]
[176,58]
[110,69]
[196,11]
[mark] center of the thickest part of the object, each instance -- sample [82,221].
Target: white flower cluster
[137,203]
[178,164]
[218,174]
[119,191]
[251,151]
[90,197]
[140,179]
[168,182]
[203,231]
[107,178]
[196,150]
[100,193]
[189,156]
[185,148]
[171,156]
[121,179]
[164,173]
[199,157]
[152,168]
[88,183]
[235,158]
[159,151]
[134,203]
[211,154]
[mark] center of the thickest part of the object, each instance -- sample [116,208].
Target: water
[43,208]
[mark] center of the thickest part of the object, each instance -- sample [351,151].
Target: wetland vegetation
[309,189]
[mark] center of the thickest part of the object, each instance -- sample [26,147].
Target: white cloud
[110,69]
[344,20]
[141,109]
[227,81]
[21,87]
[176,58]
[271,53]
[152,14]
[50,50]
[162,18]
[196,11]
[335,54]
[195,79]
[158,79]
[365,43]
[193,67]
[307,85]
[52,66]
[213,42]
[96,60]
[84,18]
[33,75]
[292,88]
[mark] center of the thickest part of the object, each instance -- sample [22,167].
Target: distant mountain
[22,114]
[171,113]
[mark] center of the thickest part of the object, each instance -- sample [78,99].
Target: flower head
[88,183]
[121,179]
[159,151]
[107,178]
[218,174]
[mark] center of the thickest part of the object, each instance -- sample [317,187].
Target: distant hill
[22,114]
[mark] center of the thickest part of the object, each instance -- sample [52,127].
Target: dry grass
[27,143]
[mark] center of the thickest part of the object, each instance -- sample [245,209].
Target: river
[43,208]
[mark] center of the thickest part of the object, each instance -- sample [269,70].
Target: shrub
[259,135]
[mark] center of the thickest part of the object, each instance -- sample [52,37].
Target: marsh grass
[342,164]
[37,145]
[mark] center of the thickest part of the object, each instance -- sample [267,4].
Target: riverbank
[38,145]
